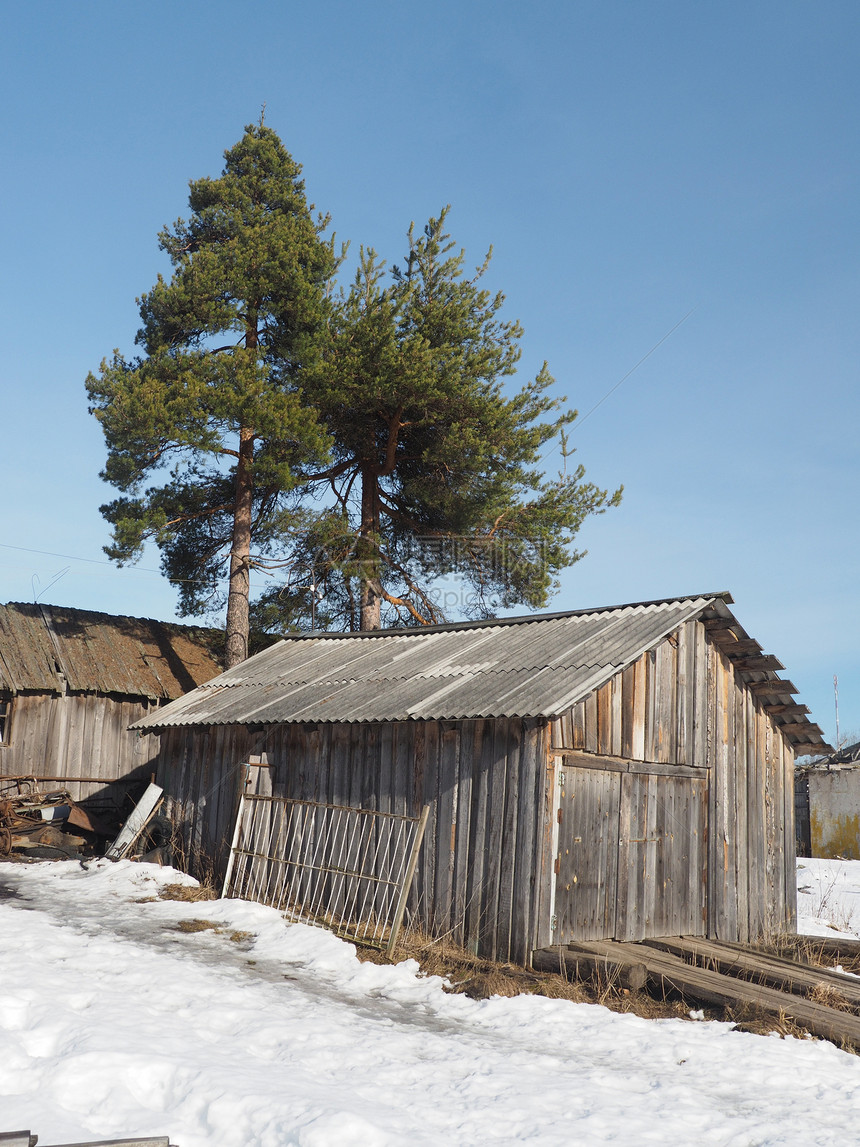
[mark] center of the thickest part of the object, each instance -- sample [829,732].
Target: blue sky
[632,163]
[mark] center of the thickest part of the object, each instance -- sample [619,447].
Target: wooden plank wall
[202,772]
[80,735]
[684,703]
[649,711]
[484,780]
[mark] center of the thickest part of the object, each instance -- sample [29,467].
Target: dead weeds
[830,996]
[480,979]
[241,937]
[187,892]
[196,926]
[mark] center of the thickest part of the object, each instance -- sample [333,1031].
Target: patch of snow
[114,1022]
[828,898]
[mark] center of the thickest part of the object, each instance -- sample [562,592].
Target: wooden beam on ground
[761,968]
[835,947]
[573,963]
[667,973]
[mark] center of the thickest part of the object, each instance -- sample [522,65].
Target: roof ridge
[491,622]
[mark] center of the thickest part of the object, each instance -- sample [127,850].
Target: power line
[612,389]
[97,562]
[71,557]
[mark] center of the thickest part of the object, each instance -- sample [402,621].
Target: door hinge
[553,924]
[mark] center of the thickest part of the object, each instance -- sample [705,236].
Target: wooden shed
[617,772]
[71,683]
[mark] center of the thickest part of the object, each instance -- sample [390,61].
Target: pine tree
[210,413]
[435,472]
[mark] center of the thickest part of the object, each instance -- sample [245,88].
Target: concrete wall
[834,813]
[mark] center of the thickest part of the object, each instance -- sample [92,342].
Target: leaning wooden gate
[632,853]
[343,868]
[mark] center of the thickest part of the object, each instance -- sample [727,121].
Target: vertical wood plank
[482,763]
[640,701]
[510,840]
[628,685]
[591,722]
[525,873]
[789,839]
[702,699]
[446,815]
[578,714]
[739,753]
[682,712]
[603,696]
[495,829]
[463,819]
[756,891]
[616,695]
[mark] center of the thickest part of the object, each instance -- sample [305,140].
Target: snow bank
[113,1021]
[828,897]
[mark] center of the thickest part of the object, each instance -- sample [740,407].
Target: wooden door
[588,854]
[632,855]
[662,869]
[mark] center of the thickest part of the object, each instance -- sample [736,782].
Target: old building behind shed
[827,800]
[71,683]
[608,773]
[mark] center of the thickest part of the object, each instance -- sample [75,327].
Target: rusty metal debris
[32,817]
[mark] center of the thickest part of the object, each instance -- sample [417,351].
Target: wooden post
[232,858]
[407,883]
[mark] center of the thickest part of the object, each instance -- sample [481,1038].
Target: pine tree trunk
[371,587]
[240,554]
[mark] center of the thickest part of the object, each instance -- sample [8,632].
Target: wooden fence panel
[344,868]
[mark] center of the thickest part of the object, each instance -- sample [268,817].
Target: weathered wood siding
[632,851]
[202,772]
[79,735]
[685,704]
[486,844]
[703,834]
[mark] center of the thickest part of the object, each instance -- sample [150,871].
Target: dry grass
[187,892]
[241,937]
[830,997]
[480,979]
[810,950]
[196,926]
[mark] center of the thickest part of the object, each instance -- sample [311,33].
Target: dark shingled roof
[98,653]
[532,666]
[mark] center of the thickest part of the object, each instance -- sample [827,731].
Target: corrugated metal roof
[521,667]
[98,653]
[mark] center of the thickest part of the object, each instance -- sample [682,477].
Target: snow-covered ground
[114,1022]
[828,897]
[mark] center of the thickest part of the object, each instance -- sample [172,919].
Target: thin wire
[97,562]
[579,421]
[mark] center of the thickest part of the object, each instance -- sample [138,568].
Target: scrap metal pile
[34,819]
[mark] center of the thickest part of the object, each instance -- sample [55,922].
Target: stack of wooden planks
[824,1002]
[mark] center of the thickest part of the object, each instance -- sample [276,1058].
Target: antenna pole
[836,704]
